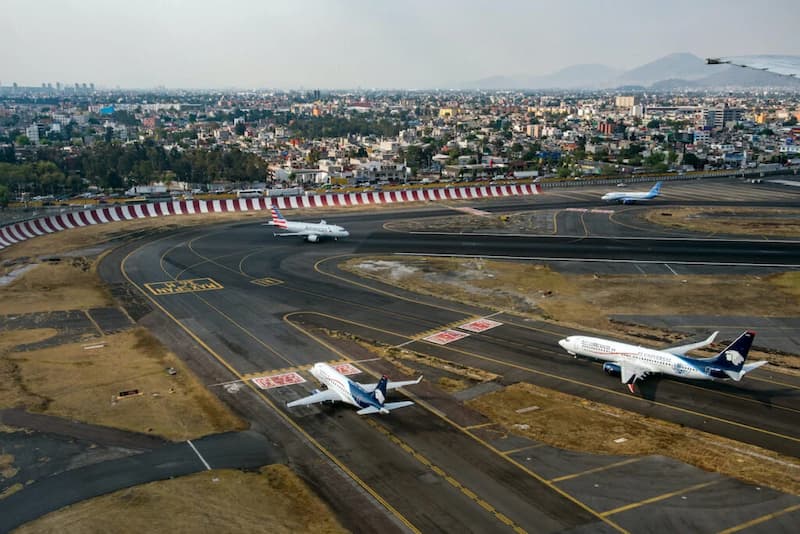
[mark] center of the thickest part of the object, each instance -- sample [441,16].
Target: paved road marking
[174,287]
[759,520]
[595,470]
[659,498]
[266,282]
[208,467]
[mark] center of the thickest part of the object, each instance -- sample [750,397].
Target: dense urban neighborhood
[59,142]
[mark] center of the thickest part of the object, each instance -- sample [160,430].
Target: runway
[256,304]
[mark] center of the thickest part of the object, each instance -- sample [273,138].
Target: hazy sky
[367,43]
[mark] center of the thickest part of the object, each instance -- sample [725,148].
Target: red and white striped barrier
[21,231]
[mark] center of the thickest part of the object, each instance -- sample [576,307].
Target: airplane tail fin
[730,362]
[379,394]
[277,218]
[656,189]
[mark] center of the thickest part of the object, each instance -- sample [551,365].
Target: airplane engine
[612,369]
[312,238]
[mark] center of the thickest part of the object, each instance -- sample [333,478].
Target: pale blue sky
[367,43]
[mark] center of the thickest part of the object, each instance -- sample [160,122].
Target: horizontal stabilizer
[386,408]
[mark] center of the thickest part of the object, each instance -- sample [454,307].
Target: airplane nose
[564,343]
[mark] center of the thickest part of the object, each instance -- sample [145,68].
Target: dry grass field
[273,500]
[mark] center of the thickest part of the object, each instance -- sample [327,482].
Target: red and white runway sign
[479,325]
[21,231]
[446,336]
[277,381]
[346,369]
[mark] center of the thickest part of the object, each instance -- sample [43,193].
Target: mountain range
[671,72]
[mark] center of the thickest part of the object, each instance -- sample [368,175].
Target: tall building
[721,116]
[623,101]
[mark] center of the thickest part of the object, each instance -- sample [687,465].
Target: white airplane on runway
[632,363]
[369,398]
[312,232]
[629,197]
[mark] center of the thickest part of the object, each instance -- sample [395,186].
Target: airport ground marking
[94,323]
[205,463]
[481,425]
[175,287]
[520,449]
[595,470]
[266,282]
[443,417]
[264,398]
[471,495]
[278,381]
[758,520]
[661,497]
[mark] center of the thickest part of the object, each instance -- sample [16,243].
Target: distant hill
[674,66]
[671,72]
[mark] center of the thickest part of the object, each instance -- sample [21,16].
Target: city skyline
[359,44]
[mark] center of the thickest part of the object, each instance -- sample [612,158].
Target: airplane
[632,363]
[628,197]
[368,398]
[312,232]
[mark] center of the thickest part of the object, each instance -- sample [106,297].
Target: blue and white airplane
[632,363]
[368,398]
[629,197]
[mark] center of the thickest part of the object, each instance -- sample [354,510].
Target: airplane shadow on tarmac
[648,389]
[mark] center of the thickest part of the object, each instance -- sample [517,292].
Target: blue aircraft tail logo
[734,355]
[380,390]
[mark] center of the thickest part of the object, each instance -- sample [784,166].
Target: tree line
[115,167]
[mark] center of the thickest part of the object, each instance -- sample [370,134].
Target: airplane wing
[783,65]
[630,373]
[285,234]
[327,395]
[391,385]
[680,350]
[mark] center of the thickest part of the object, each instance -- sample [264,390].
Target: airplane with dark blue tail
[368,398]
[632,363]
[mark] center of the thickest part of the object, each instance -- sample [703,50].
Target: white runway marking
[208,467]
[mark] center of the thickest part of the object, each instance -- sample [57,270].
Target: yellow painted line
[482,425]
[595,470]
[759,520]
[527,447]
[659,498]
[265,398]
[555,221]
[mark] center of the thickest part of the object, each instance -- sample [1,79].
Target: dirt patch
[271,500]
[569,422]
[14,338]
[7,469]
[776,222]
[68,284]
[83,384]
[535,222]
